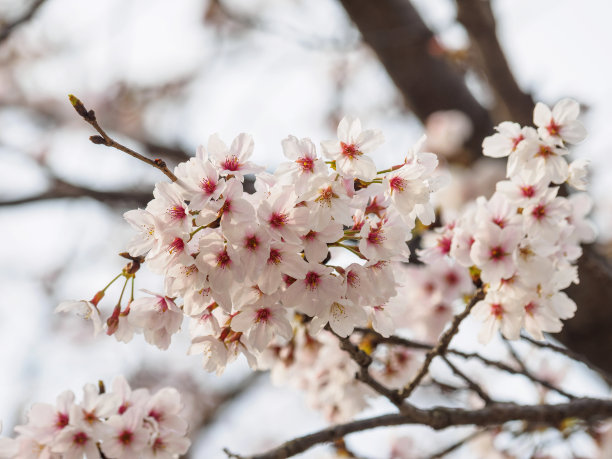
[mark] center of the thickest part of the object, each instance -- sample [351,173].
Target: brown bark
[511,103]
[397,34]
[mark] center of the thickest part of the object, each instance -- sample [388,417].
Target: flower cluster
[123,423]
[524,240]
[317,366]
[245,265]
[321,244]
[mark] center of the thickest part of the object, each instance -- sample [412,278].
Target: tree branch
[428,83]
[438,418]
[398,341]
[479,22]
[572,355]
[61,189]
[364,360]
[469,381]
[104,139]
[29,13]
[442,344]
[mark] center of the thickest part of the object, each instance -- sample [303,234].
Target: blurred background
[162,76]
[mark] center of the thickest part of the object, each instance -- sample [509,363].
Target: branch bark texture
[440,418]
[402,41]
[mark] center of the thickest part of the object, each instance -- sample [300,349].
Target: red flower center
[516,141]
[80,438]
[376,236]
[231,163]
[177,212]
[544,151]
[208,186]
[62,420]
[125,437]
[223,259]
[312,280]
[553,128]
[278,220]
[309,236]
[251,243]
[262,315]
[350,151]
[352,279]
[155,415]
[178,245]
[275,257]
[497,310]
[307,164]
[528,191]
[497,253]
[539,212]
[444,244]
[397,184]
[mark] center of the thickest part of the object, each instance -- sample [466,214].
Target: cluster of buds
[121,424]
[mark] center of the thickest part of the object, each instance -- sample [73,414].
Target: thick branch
[587,409]
[512,103]
[402,41]
[61,189]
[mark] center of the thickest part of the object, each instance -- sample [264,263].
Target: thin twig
[473,385]
[514,355]
[398,341]
[508,369]
[572,355]
[364,360]
[104,139]
[29,13]
[441,417]
[442,344]
[458,444]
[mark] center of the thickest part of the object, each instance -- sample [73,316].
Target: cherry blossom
[349,151]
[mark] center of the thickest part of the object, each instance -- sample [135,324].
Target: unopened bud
[112,323]
[97,297]
[97,139]
[80,108]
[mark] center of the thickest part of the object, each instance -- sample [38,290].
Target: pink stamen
[306,163]
[350,151]
[231,163]
[178,245]
[397,184]
[262,315]
[312,280]
[208,186]
[278,220]
[177,212]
